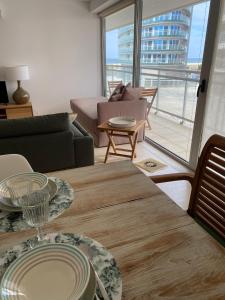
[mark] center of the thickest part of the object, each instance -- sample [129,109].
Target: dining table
[162,253]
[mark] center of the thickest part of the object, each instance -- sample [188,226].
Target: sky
[197,35]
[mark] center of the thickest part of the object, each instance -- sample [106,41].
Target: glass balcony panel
[119,48]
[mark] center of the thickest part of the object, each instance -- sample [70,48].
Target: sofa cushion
[132,94]
[118,93]
[34,125]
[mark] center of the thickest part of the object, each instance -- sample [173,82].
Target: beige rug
[150,165]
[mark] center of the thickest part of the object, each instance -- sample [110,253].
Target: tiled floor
[179,192]
[170,134]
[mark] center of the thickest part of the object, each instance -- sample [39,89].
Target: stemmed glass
[35,208]
[33,197]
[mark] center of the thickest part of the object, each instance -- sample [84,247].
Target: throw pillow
[117,93]
[132,94]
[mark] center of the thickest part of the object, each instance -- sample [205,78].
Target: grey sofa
[94,111]
[49,142]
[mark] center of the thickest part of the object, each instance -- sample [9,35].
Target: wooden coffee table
[130,133]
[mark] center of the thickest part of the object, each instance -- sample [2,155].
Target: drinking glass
[35,208]
[18,187]
[23,184]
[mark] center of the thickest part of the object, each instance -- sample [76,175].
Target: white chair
[11,164]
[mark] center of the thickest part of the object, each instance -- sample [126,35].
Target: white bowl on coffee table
[122,122]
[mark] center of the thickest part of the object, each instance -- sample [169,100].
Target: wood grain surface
[161,252]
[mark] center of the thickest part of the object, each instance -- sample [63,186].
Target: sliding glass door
[174,52]
[171,60]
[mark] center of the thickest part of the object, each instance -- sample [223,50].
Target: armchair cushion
[132,94]
[117,93]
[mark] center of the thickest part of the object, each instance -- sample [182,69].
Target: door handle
[201,87]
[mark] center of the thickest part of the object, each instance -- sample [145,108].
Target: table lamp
[18,73]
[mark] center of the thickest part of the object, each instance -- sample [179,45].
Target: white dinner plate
[48,272]
[7,205]
[122,122]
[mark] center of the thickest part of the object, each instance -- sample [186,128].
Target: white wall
[60,41]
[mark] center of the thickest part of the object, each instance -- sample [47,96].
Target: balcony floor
[170,134]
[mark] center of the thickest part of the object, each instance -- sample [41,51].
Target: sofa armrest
[107,110]
[80,128]
[83,147]
[84,151]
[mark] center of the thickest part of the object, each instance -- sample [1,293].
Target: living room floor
[178,191]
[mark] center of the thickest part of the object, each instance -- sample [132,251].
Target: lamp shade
[17,73]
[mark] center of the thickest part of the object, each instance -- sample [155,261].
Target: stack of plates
[7,205]
[122,122]
[49,272]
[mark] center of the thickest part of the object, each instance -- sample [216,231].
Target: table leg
[133,155]
[131,144]
[108,147]
[110,143]
[110,137]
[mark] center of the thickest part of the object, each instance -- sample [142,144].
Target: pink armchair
[94,111]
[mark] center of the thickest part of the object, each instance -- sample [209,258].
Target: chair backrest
[207,202]
[149,93]
[11,164]
[112,85]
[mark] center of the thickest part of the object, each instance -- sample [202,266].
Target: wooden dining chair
[146,93]
[207,200]
[11,164]
[112,85]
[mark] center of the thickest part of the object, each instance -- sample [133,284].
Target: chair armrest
[172,177]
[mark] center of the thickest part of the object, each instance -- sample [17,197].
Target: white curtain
[215,107]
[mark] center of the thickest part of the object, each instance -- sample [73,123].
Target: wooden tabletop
[161,252]
[106,126]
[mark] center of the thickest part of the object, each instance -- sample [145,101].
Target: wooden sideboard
[15,111]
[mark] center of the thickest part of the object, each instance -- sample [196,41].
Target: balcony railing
[164,33]
[162,19]
[164,48]
[177,88]
[167,17]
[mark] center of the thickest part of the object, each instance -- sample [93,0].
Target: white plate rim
[122,121]
[23,258]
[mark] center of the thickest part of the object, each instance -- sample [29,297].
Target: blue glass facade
[164,39]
